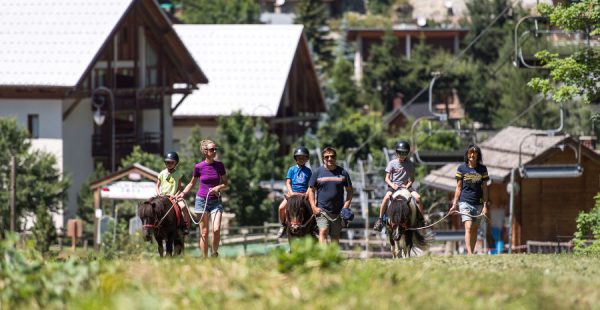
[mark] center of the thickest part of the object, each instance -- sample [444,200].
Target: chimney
[588,141]
[397,103]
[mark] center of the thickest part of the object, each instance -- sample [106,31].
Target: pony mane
[297,205]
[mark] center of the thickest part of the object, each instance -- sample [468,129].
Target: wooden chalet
[545,209]
[259,70]
[55,55]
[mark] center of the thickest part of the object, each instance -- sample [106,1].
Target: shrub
[588,225]
[307,254]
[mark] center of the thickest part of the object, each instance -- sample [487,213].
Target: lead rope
[449,213]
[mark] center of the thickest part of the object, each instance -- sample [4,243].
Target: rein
[305,223]
[328,217]
[157,225]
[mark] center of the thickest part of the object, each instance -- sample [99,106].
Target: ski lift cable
[448,66]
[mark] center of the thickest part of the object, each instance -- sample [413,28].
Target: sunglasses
[402,153]
[212,149]
[329,156]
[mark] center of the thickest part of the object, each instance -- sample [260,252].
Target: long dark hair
[473,147]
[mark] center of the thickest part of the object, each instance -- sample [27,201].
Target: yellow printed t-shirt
[169,181]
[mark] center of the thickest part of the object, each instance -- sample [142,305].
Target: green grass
[480,282]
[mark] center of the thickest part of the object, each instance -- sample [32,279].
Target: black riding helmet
[301,151]
[172,156]
[402,146]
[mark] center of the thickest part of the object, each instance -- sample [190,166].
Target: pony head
[298,214]
[148,213]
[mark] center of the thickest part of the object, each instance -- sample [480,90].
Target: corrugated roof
[500,155]
[51,43]
[248,66]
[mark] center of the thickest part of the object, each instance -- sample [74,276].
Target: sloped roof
[500,154]
[53,43]
[248,66]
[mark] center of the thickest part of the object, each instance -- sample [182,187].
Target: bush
[308,254]
[27,280]
[588,226]
[44,231]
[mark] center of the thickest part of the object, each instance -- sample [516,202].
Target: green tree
[380,7]
[85,198]
[481,13]
[43,231]
[575,76]
[152,161]
[248,158]
[346,94]
[220,11]
[382,78]
[313,15]
[39,182]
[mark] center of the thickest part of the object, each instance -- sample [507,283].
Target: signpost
[129,190]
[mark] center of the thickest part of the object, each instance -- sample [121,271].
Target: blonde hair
[204,145]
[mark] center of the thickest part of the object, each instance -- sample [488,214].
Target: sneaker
[186,231]
[215,254]
[378,225]
[281,231]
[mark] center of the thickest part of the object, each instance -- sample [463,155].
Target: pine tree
[313,15]
[44,231]
[248,159]
[220,11]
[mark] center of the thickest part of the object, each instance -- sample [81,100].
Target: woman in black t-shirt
[471,194]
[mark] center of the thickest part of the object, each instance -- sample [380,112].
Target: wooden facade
[544,209]
[140,62]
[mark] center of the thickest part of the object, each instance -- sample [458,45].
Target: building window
[33,125]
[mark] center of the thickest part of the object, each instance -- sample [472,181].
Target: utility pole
[13,191]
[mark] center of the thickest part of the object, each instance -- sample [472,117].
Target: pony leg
[170,241]
[179,244]
[161,250]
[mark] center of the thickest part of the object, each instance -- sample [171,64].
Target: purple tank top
[210,176]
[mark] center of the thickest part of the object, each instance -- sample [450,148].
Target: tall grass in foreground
[315,277]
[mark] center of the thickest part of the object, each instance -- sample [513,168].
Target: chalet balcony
[150,142]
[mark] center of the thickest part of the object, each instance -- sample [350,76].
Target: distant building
[261,70]
[544,209]
[53,55]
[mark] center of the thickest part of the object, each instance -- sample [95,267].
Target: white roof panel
[51,43]
[247,67]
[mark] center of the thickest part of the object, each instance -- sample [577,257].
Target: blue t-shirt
[300,177]
[329,186]
[472,181]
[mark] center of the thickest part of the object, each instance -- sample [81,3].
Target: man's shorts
[213,205]
[335,227]
[467,208]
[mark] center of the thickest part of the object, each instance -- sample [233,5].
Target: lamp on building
[98,100]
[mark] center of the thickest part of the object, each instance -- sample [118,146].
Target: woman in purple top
[213,179]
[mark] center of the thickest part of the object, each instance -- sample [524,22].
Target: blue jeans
[213,205]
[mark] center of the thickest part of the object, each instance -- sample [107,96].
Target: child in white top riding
[399,173]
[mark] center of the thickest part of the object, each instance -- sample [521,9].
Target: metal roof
[248,66]
[51,43]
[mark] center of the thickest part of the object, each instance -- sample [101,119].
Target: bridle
[158,222]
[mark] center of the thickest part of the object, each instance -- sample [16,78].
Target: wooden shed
[545,209]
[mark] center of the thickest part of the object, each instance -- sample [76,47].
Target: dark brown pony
[402,216]
[159,219]
[299,218]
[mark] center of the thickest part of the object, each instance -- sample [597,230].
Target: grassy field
[506,281]
[312,277]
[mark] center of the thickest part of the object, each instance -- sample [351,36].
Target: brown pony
[299,218]
[159,219]
[402,219]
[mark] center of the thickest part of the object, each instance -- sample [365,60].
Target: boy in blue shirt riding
[296,182]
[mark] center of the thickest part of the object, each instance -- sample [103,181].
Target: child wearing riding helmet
[296,182]
[169,183]
[399,173]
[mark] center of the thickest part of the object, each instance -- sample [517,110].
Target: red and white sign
[129,190]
